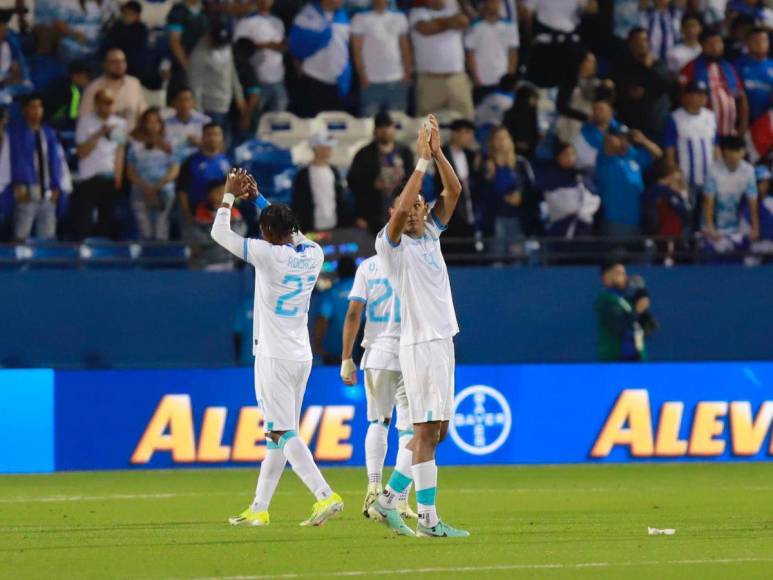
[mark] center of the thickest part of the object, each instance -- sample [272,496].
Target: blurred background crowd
[571,123]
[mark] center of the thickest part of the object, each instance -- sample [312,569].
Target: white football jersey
[382,307]
[419,275]
[285,277]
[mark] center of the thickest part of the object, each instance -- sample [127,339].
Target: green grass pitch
[526,522]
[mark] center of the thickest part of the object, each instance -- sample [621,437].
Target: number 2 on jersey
[297,281]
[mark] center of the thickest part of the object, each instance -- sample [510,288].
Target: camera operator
[623,312]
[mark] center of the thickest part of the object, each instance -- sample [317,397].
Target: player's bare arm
[452,187]
[410,193]
[352,324]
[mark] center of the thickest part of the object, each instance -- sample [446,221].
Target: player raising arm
[287,265]
[409,249]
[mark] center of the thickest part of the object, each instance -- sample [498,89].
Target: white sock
[425,475]
[270,473]
[400,481]
[405,458]
[375,450]
[302,462]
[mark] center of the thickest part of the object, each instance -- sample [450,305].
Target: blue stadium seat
[272,167]
[166,255]
[103,253]
[47,254]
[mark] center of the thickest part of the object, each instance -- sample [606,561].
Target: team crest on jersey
[481,421]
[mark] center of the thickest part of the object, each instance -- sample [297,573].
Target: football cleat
[441,530]
[374,490]
[390,518]
[405,511]
[250,518]
[323,510]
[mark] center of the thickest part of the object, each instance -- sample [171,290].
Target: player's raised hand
[422,143]
[249,187]
[435,143]
[233,182]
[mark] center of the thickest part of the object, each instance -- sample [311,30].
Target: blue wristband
[261,202]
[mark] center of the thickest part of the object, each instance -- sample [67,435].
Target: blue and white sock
[400,481]
[375,450]
[302,462]
[405,438]
[425,475]
[271,470]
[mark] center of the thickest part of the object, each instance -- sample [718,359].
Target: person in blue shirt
[204,166]
[620,168]
[756,72]
[329,325]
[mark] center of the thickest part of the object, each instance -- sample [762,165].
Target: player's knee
[275,436]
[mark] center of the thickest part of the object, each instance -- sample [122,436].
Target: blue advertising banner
[506,414]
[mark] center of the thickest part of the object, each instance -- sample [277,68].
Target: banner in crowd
[505,414]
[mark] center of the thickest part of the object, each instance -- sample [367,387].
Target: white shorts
[279,387]
[385,390]
[428,372]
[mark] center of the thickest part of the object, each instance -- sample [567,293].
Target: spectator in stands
[569,194]
[521,120]
[382,56]
[726,97]
[213,255]
[643,87]
[507,179]
[691,137]
[662,21]
[590,138]
[207,164]
[319,38]
[185,125]
[318,189]
[735,39]
[556,42]
[666,204]
[126,90]
[213,77]
[755,10]
[618,314]
[620,168]
[63,98]
[756,71]
[152,170]
[267,33]
[466,163]
[329,324]
[376,170]
[187,24]
[100,137]
[243,52]
[14,75]
[760,138]
[492,49]
[130,34]
[30,161]
[690,47]
[731,182]
[576,96]
[79,24]
[437,31]
[626,14]
[490,112]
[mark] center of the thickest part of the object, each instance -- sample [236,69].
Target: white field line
[493,568]
[446,491]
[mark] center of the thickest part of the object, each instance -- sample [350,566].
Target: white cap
[322,139]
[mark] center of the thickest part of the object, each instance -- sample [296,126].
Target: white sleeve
[434,225]
[5,163]
[81,135]
[359,291]
[250,250]
[470,38]
[358,26]
[513,36]
[403,21]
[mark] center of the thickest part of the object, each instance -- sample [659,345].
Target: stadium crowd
[567,118]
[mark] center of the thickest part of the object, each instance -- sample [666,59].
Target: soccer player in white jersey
[410,253]
[287,265]
[372,293]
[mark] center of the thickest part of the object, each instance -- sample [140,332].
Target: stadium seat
[345,152]
[103,253]
[344,127]
[164,255]
[285,129]
[272,167]
[404,125]
[47,254]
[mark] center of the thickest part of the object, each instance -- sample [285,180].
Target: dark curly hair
[279,220]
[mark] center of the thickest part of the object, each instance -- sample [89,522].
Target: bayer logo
[481,421]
